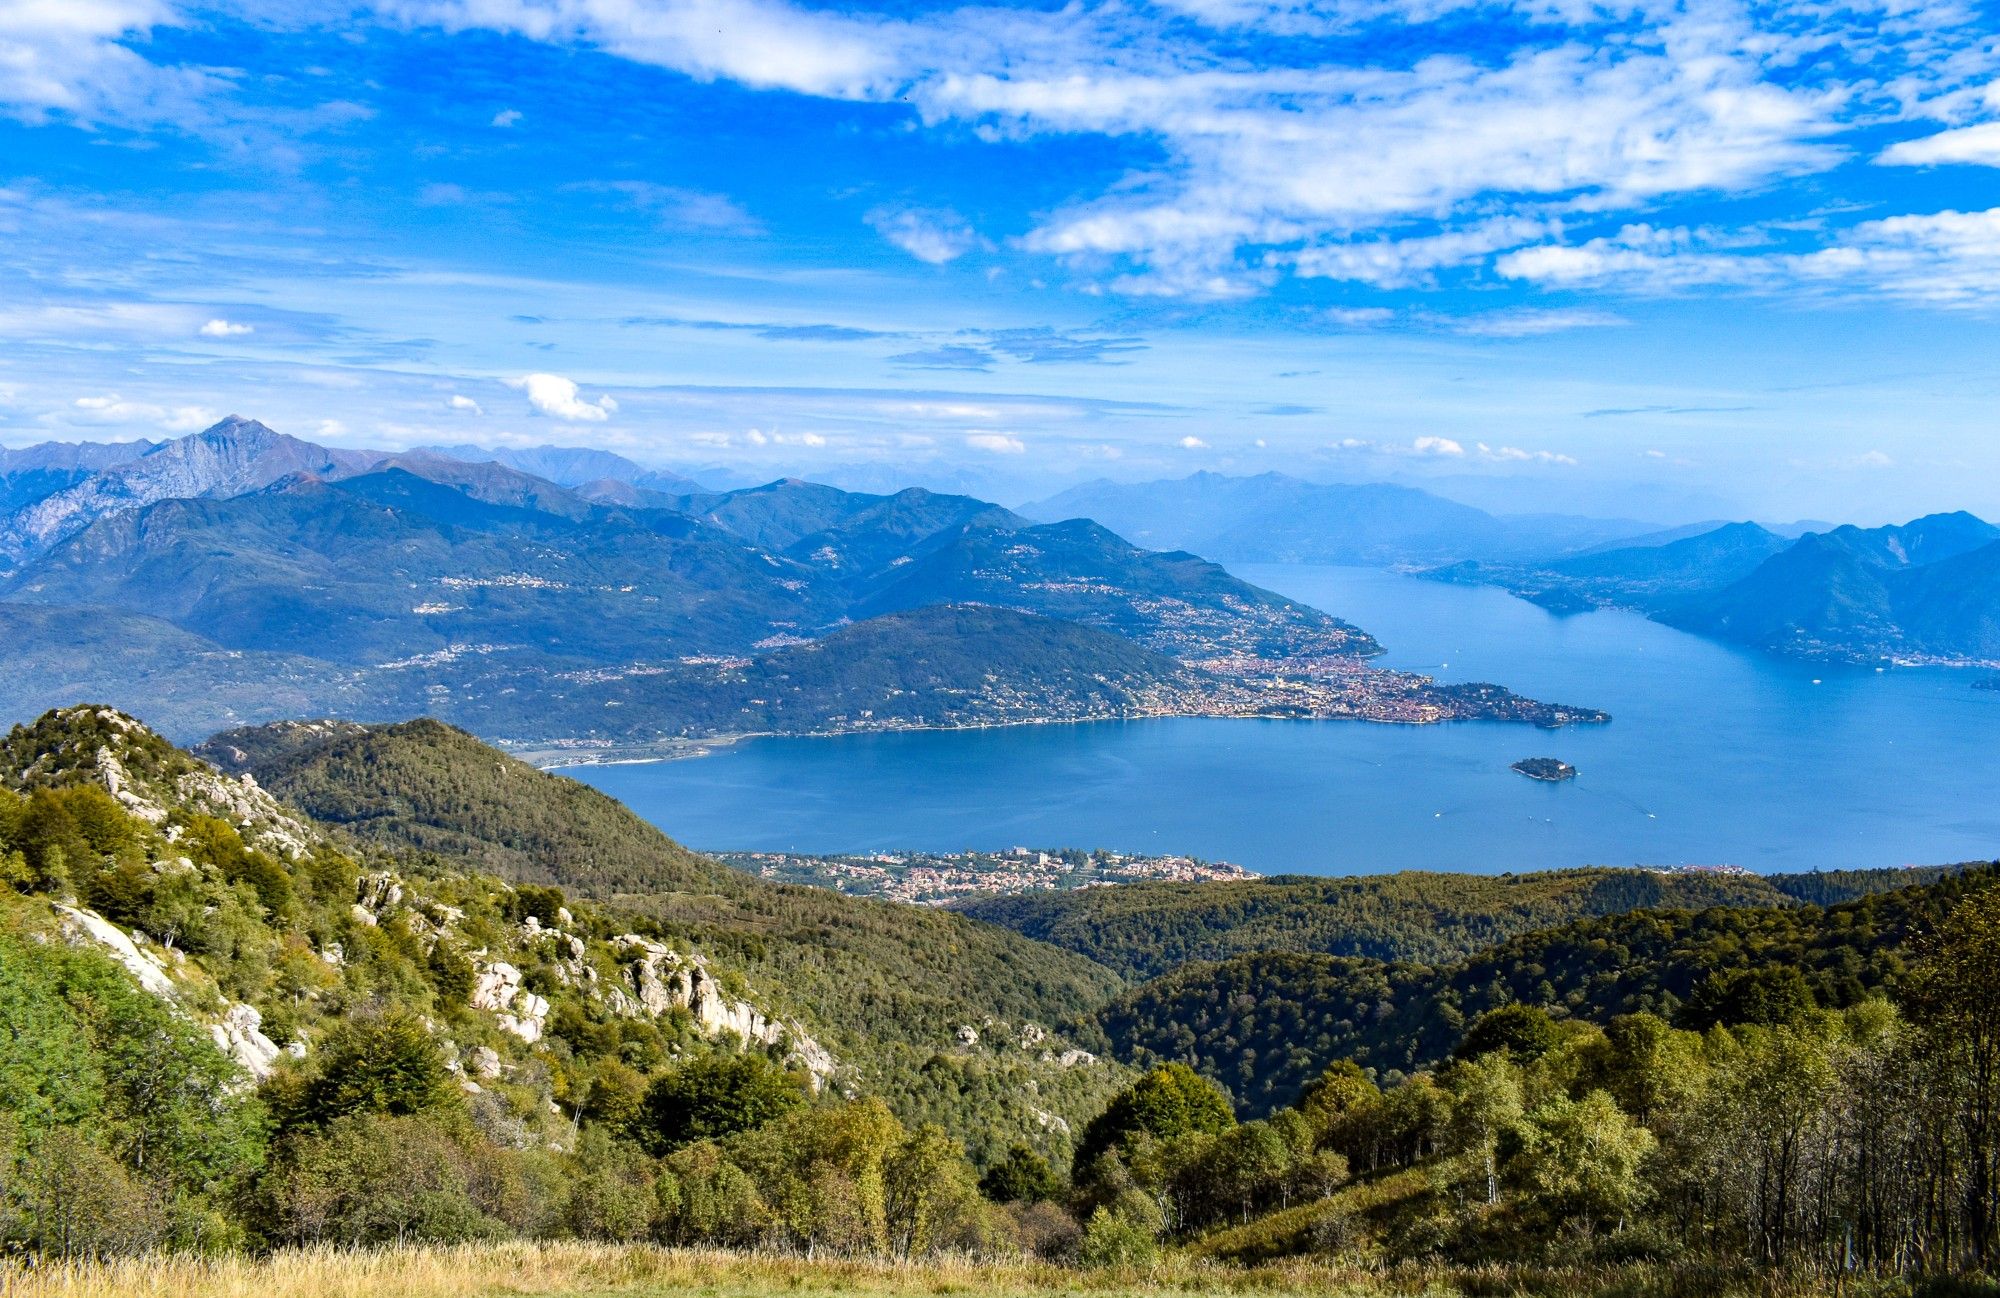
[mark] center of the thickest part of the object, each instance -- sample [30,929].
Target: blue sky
[1665,259]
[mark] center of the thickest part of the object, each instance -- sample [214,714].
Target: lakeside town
[942,878]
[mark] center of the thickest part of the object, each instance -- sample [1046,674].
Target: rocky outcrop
[150,780]
[238,1033]
[660,980]
[496,988]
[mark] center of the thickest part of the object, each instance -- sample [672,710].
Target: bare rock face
[661,980]
[238,1033]
[146,969]
[496,988]
[227,459]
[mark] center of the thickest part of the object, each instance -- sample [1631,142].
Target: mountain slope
[1266,1024]
[868,990]
[1926,589]
[1174,603]
[234,456]
[426,789]
[571,466]
[1144,930]
[1650,576]
[32,473]
[388,585]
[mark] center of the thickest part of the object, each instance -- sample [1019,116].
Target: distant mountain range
[1923,591]
[239,574]
[1274,518]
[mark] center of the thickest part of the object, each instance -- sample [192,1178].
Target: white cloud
[1382,173]
[1515,455]
[464,404]
[996,443]
[557,397]
[1193,444]
[507,117]
[114,410]
[1529,322]
[1949,259]
[933,236]
[1978,145]
[224,329]
[64,59]
[1443,446]
[760,43]
[1402,263]
[1358,317]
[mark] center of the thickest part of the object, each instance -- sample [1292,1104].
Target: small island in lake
[1545,768]
[1987,683]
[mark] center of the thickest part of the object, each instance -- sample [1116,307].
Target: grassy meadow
[559,1270]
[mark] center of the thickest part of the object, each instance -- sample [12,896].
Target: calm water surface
[1714,755]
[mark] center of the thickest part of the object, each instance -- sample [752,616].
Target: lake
[1714,756]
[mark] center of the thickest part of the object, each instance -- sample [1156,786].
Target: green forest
[398,988]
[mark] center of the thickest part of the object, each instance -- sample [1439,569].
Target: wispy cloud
[675,207]
[935,236]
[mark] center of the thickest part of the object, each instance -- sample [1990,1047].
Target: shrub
[718,1095]
[374,1179]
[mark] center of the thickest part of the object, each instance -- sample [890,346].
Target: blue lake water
[1713,756]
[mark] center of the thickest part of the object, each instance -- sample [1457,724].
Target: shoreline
[549,755]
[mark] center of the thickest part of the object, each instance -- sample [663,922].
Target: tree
[373,1178]
[1580,1159]
[930,1200]
[1764,996]
[386,1063]
[1022,1176]
[1486,1102]
[1524,1032]
[1954,998]
[79,1201]
[823,1174]
[713,1096]
[1122,1233]
[611,1190]
[1169,1102]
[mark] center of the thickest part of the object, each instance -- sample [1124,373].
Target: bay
[1714,756]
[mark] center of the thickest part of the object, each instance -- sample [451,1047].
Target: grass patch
[575,1270]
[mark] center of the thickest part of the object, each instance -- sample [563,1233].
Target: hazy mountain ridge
[1276,518]
[1924,591]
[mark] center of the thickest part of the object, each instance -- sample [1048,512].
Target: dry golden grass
[573,1270]
[505,1270]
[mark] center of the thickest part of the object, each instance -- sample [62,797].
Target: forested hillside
[887,986]
[289,940]
[1144,930]
[1264,1025]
